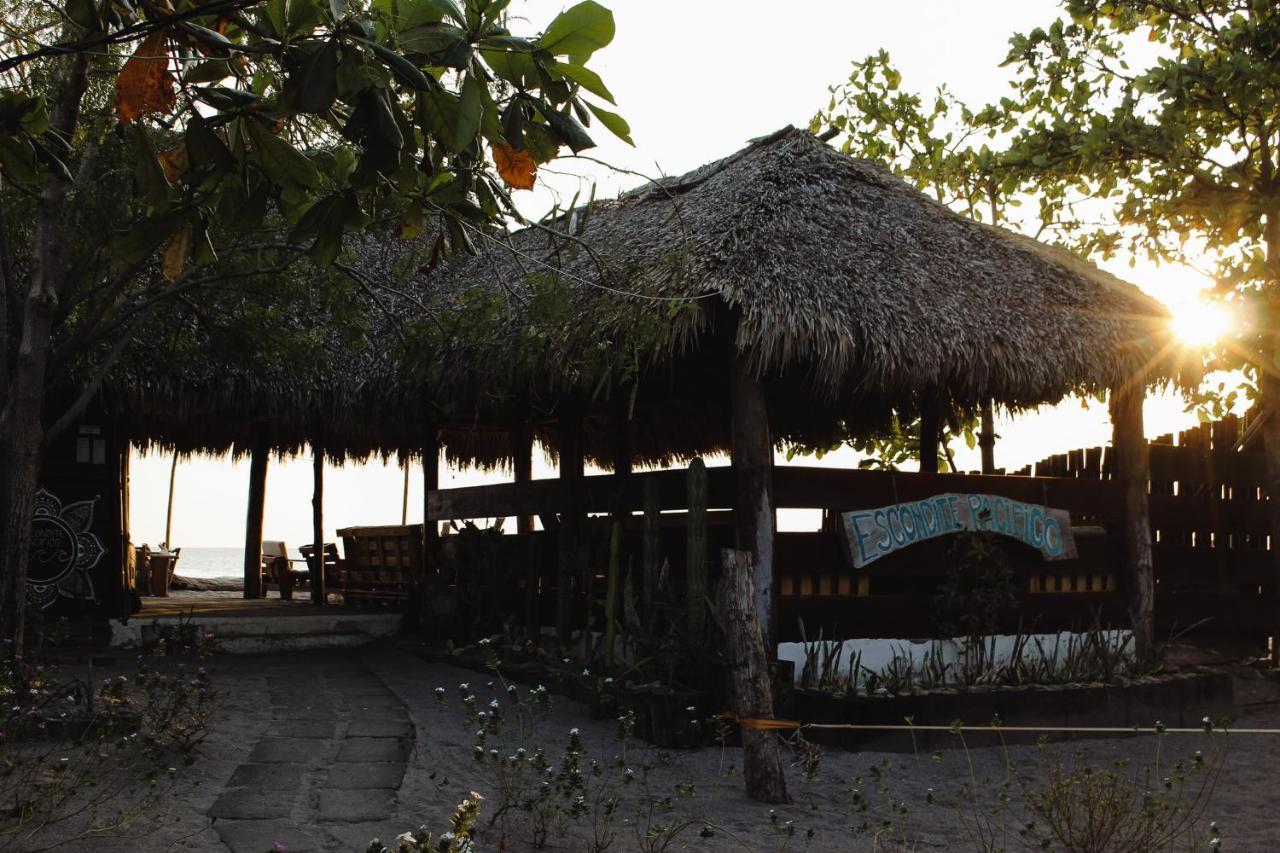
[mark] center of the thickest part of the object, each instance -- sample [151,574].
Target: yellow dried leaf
[174,162]
[145,84]
[516,167]
[175,254]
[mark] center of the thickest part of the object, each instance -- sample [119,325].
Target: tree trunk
[987,437]
[319,592]
[571,472]
[1132,472]
[930,433]
[21,437]
[253,522]
[752,682]
[522,468]
[752,457]
[21,417]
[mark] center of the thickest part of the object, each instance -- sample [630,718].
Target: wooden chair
[278,570]
[334,566]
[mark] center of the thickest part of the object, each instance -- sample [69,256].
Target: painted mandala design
[63,551]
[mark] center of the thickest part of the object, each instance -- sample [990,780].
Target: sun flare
[1199,324]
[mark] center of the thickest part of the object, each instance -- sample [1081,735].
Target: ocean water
[211,563]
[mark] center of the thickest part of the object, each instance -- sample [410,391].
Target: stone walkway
[329,763]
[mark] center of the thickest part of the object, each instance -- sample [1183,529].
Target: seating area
[379,567]
[154,570]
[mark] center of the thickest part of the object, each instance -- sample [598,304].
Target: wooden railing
[815,581]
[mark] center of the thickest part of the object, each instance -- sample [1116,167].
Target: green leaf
[152,184]
[431,39]
[586,78]
[317,80]
[141,240]
[285,165]
[205,150]
[579,31]
[406,71]
[18,161]
[570,132]
[208,71]
[515,67]
[470,112]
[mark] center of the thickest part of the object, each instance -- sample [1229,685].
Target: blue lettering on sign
[859,535]
[873,533]
[1052,537]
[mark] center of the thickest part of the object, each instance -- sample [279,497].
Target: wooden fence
[1211,548]
[1208,520]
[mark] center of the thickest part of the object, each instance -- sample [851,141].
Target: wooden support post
[128,566]
[752,457]
[316,569]
[752,682]
[1133,473]
[430,528]
[620,430]
[987,436]
[930,432]
[1269,414]
[522,469]
[253,521]
[571,473]
[168,515]
[695,552]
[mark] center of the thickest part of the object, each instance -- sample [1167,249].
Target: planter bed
[1179,700]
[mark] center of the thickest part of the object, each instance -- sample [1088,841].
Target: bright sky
[695,79]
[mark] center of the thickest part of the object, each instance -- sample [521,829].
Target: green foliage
[980,588]
[1153,128]
[332,111]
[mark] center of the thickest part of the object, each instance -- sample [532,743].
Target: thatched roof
[851,293]
[837,268]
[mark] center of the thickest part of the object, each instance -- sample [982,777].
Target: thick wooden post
[571,472]
[253,521]
[620,435]
[930,432]
[1269,412]
[430,528]
[1133,474]
[316,568]
[522,467]
[752,683]
[987,437]
[752,457]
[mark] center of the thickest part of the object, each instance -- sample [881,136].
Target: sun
[1198,324]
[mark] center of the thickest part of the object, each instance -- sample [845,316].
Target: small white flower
[493,703]
[586,673]
[439,691]
[574,732]
[608,680]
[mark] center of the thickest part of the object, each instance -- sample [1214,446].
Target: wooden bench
[383,564]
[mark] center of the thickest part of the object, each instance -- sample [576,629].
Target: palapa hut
[797,295]
[785,295]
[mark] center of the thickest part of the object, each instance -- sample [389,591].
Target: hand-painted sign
[64,550]
[875,533]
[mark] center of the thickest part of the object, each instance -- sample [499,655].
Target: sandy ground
[699,793]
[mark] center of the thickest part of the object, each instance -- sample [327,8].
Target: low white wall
[877,654]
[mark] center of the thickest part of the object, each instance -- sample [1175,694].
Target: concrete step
[260,634]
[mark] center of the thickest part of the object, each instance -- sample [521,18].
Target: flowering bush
[89,756]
